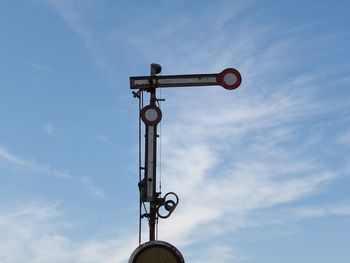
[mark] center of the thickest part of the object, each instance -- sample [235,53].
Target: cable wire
[140,163]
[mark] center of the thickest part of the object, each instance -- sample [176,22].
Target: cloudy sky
[262,172]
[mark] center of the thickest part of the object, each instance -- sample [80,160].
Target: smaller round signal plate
[229,78]
[151,115]
[156,252]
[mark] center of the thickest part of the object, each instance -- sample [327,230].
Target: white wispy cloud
[46,169]
[102,139]
[50,129]
[226,164]
[323,211]
[344,139]
[39,67]
[28,234]
[228,155]
[72,12]
[20,162]
[90,186]
[219,253]
[32,232]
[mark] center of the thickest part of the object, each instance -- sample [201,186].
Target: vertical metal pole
[153,203]
[151,116]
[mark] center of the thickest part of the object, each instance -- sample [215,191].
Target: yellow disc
[156,252]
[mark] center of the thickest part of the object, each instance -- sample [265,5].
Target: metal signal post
[151,115]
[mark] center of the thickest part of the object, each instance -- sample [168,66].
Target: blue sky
[262,172]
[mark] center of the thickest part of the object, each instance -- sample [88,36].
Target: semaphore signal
[156,206]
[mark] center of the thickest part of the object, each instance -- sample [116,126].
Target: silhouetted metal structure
[162,207]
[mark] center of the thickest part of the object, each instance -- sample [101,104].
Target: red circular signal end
[229,78]
[151,115]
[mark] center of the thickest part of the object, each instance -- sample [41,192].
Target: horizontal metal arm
[149,82]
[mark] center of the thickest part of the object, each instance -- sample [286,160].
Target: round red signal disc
[151,115]
[229,78]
